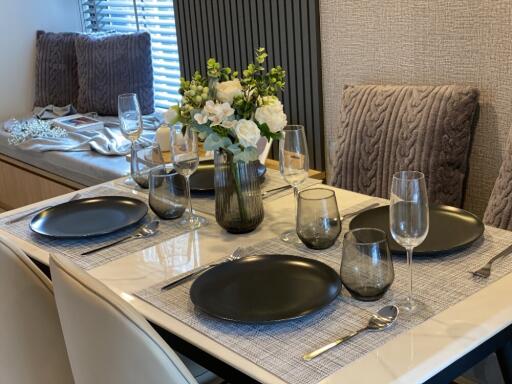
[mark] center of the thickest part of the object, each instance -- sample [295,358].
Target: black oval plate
[450,229]
[92,216]
[265,288]
[202,180]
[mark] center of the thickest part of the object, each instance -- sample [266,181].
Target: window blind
[153,16]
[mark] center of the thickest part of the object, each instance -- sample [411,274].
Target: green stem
[238,187]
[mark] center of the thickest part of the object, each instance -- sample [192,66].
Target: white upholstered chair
[32,348]
[108,341]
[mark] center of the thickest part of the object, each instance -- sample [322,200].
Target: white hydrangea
[217,113]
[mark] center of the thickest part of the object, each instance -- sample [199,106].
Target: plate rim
[299,316]
[438,207]
[208,165]
[133,222]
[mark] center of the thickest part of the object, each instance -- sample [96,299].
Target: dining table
[469,317]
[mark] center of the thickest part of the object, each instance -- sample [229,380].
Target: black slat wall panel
[231,31]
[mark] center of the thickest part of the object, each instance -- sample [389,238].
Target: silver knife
[37,210]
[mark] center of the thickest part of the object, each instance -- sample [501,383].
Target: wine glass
[130,119]
[409,218]
[294,166]
[185,159]
[145,160]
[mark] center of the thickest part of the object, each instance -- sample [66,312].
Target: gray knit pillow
[113,64]
[385,129]
[56,69]
[499,208]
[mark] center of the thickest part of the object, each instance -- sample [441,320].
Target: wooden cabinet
[22,184]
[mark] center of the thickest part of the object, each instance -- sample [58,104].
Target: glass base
[290,237]
[196,222]
[408,305]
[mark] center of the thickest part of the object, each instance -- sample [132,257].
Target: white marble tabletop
[413,356]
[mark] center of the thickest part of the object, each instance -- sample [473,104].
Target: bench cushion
[56,69]
[113,64]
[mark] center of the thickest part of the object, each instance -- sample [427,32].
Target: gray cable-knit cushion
[385,129]
[499,208]
[56,69]
[113,64]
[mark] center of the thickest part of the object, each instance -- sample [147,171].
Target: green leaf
[266,132]
[248,154]
[202,130]
[234,148]
[214,142]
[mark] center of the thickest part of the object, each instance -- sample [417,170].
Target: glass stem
[133,159]
[295,200]
[409,265]
[189,196]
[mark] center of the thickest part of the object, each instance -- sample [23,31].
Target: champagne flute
[409,218]
[185,159]
[130,119]
[294,166]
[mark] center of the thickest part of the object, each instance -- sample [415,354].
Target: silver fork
[485,271]
[37,210]
[237,254]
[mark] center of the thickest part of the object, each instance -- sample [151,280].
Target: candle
[163,137]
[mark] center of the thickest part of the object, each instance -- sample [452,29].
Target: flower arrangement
[233,112]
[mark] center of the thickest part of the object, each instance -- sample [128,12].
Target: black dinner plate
[92,216]
[265,288]
[450,229]
[203,178]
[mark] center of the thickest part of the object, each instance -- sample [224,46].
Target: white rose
[227,90]
[171,116]
[247,132]
[272,115]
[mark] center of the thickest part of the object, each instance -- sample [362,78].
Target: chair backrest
[385,129]
[32,348]
[108,341]
[499,208]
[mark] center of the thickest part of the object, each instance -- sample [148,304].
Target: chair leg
[504,355]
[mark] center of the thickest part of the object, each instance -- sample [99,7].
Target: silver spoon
[146,230]
[380,320]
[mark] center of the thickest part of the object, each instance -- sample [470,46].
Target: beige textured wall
[426,42]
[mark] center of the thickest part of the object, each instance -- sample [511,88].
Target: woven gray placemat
[72,248]
[439,282]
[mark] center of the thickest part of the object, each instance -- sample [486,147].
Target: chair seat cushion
[56,69]
[389,128]
[113,64]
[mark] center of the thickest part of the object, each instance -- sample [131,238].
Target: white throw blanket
[106,141]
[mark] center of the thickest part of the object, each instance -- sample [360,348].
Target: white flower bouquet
[230,112]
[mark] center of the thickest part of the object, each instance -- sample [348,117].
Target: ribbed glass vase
[238,204]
